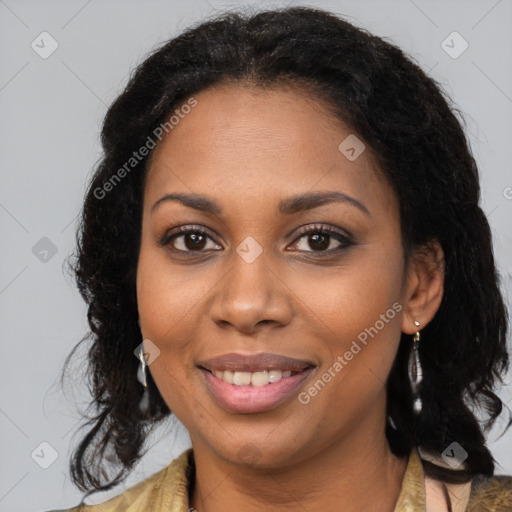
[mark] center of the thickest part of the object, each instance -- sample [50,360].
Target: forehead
[246,141]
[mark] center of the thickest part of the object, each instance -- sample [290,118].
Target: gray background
[49,136]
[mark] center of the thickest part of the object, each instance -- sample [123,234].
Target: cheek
[346,300]
[166,301]
[357,317]
[166,296]
[359,351]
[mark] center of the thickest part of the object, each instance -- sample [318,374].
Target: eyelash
[345,240]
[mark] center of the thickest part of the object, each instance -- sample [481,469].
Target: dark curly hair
[414,132]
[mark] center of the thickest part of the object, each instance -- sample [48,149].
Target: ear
[424,286]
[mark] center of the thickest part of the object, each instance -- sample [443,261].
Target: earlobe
[425,286]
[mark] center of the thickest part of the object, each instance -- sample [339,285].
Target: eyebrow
[288,206]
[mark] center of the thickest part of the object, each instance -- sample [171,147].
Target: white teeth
[242,378]
[261,378]
[275,375]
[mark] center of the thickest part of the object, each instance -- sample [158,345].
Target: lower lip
[251,399]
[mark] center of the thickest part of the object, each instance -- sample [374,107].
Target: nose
[250,296]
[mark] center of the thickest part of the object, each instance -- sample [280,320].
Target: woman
[283,247]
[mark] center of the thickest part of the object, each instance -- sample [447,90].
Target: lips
[246,384]
[249,399]
[234,362]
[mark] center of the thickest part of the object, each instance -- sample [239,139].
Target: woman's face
[256,164]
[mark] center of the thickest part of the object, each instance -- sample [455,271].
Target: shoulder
[491,494]
[162,490]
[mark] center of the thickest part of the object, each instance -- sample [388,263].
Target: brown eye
[193,241]
[322,239]
[319,241]
[188,239]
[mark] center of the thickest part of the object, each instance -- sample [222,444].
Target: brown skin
[247,149]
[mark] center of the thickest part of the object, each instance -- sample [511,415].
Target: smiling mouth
[256,379]
[244,392]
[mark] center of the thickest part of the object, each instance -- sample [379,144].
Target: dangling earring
[141,377]
[415,372]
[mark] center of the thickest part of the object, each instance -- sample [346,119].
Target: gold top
[168,490]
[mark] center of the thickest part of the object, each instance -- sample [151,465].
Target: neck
[352,476]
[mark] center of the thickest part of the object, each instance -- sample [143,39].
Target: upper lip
[254,362]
